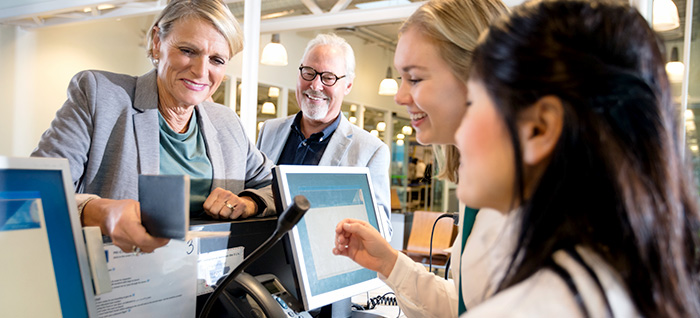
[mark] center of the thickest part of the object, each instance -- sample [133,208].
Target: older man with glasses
[319,134]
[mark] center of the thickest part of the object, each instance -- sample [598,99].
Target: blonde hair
[454,26]
[214,11]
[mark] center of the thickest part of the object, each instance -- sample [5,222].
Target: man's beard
[314,111]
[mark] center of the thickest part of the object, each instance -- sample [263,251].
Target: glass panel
[268,100]
[692,114]
[350,110]
[374,122]
[399,169]
[220,95]
[292,105]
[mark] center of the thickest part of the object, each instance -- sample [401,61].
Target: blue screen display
[48,185]
[324,191]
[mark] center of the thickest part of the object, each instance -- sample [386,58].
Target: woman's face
[192,62]
[486,167]
[434,97]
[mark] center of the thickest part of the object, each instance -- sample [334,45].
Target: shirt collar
[324,134]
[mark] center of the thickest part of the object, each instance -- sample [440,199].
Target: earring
[155,60]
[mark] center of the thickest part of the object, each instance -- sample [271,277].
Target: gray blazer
[108,131]
[349,146]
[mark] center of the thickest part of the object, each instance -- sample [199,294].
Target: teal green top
[468,224]
[186,154]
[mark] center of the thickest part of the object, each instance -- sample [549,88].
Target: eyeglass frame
[317,73]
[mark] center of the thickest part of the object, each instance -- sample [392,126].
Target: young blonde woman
[571,134]
[432,57]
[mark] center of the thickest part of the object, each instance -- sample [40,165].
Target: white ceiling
[371,20]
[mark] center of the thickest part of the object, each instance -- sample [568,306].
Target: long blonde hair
[454,26]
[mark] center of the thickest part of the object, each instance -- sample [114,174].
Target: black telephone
[258,297]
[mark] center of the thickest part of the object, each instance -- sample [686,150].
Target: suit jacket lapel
[146,123]
[338,146]
[213,148]
[278,146]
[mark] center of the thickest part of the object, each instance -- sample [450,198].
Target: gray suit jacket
[108,131]
[349,146]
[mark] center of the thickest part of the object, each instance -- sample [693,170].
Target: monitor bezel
[61,164]
[308,300]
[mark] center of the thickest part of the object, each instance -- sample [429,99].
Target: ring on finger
[229,205]
[136,250]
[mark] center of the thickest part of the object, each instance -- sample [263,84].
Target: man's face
[320,102]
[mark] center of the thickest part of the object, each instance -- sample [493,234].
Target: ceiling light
[689,115]
[105,7]
[400,136]
[665,15]
[407,130]
[276,14]
[353,108]
[353,119]
[268,108]
[260,124]
[399,142]
[675,67]
[274,53]
[381,126]
[388,86]
[273,92]
[374,133]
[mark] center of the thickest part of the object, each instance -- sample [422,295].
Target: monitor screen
[45,271]
[335,193]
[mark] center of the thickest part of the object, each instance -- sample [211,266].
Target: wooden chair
[395,202]
[418,246]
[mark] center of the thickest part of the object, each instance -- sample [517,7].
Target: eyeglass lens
[327,78]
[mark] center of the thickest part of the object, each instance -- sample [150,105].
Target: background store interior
[43,43]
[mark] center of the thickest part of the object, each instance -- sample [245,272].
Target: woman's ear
[156,41]
[540,128]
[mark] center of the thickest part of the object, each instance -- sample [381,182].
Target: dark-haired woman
[571,134]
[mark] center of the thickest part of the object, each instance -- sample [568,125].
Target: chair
[395,202]
[418,246]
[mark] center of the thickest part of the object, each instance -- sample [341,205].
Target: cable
[381,300]
[447,267]
[455,219]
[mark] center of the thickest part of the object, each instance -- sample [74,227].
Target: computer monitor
[44,269]
[335,193]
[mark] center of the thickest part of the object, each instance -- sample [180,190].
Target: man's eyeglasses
[308,73]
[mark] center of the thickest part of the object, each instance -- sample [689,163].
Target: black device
[235,298]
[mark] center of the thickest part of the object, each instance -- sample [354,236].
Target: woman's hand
[121,220]
[364,245]
[223,204]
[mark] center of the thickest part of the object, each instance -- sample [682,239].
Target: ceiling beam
[355,17]
[340,6]
[312,6]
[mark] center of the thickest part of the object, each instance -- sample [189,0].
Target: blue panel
[48,185]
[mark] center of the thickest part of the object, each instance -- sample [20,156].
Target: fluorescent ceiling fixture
[382,4]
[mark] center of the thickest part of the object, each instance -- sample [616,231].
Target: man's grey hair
[338,42]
